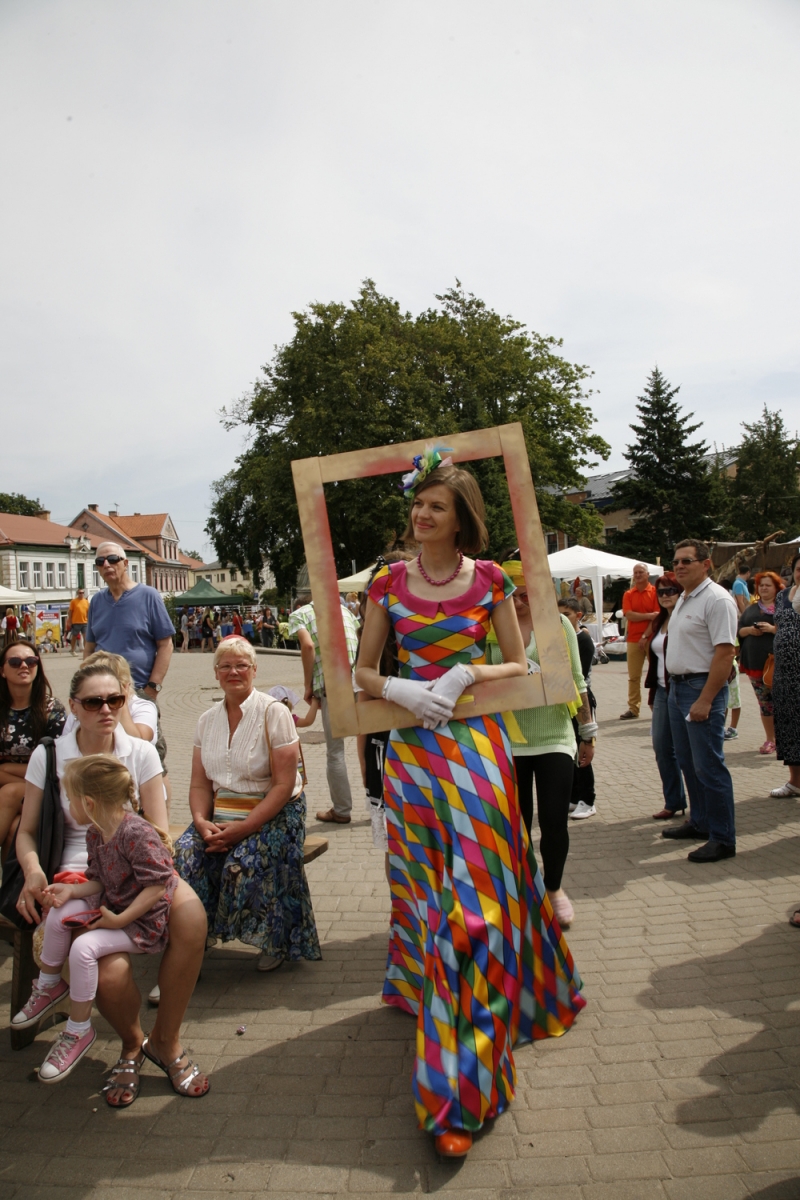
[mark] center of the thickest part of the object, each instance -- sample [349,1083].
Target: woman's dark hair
[473,535]
[40,693]
[669,579]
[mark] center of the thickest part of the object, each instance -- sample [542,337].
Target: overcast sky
[180,176]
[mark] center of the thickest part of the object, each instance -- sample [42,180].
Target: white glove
[453,682]
[419,699]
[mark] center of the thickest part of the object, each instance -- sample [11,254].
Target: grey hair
[235,645]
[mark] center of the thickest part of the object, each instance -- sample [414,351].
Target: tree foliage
[193,554]
[764,495]
[672,492]
[367,374]
[15,502]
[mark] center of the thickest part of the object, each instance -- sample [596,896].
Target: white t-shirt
[700,621]
[138,756]
[657,646]
[143,712]
[241,763]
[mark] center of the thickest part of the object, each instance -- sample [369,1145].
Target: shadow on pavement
[331,1097]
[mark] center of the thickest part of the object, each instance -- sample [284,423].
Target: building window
[62,575]
[609,531]
[208,577]
[233,576]
[135,572]
[95,579]
[50,575]
[37,575]
[552,543]
[81,576]
[23,575]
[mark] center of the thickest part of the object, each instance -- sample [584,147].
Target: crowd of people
[477,953]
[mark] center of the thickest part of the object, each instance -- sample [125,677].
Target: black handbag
[50,842]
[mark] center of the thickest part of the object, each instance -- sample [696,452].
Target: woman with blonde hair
[243,852]
[475,954]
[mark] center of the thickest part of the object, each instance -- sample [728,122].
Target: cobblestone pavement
[680,1079]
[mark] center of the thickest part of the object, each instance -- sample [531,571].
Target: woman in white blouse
[97,700]
[243,852]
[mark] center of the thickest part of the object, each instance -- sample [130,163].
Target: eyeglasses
[244,666]
[684,562]
[111,559]
[668,591]
[95,703]
[30,661]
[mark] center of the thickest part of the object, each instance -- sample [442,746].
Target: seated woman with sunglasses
[28,712]
[138,717]
[657,682]
[97,700]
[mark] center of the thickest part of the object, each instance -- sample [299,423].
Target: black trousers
[554,774]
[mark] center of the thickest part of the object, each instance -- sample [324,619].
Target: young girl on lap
[130,881]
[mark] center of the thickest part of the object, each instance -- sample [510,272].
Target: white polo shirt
[140,757]
[701,621]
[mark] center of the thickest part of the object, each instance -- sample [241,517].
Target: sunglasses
[668,591]
[95,703]
[684,562]
[30,661]
[111,559]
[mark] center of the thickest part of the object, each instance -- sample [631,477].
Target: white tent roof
[357,582]
[577,560]
[7,596]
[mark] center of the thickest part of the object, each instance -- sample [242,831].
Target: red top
[133,859]
[640,602]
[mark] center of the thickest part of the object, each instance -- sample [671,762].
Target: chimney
[137,514]
[43,514]
[92,508]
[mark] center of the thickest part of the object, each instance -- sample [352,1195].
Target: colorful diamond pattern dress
[475,953]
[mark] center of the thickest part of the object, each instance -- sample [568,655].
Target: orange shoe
[455,1143]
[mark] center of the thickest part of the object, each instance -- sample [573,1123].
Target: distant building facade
[234,582]
[151,536]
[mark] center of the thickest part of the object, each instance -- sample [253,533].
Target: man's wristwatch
[156,687]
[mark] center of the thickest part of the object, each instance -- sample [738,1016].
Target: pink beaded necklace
[439,582]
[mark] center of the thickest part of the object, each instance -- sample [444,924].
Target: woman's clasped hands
[432,702]
[219,839]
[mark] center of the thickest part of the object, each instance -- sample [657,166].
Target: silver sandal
[124,1066]
[174,1069]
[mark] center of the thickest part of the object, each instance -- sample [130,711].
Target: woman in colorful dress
[475,953]
[243,852]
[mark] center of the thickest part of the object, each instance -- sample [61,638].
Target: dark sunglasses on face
[111,559]
[683,562]
[668,591]
[30,661]
[95,703]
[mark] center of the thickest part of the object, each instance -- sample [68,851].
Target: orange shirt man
[78,616]
[640,608]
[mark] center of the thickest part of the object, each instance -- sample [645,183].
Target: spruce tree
[764,493]
[671,491]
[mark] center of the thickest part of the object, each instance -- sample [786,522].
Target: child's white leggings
[84,952]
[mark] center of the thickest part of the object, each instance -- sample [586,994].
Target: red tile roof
[142,524]
[34,532]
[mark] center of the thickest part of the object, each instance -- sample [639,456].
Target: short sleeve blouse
[391,583]
[241,763]
[17,742]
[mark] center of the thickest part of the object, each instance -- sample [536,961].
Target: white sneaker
[155,995]
[582,810]
[267,962]
[572,807]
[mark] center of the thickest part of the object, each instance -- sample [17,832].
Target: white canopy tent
[8,597]
[595,565]
[357,582]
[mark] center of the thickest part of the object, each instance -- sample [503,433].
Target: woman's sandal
[793,918]
[174,1069]
[117,1081]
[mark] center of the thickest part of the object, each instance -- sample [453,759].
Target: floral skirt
[257,893]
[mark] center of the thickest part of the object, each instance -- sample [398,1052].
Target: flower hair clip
[424,463]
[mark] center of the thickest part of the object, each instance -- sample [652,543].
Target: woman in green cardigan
[548,753]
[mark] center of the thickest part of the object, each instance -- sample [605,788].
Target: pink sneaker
[66,1052]
[42,1001]
[767,748]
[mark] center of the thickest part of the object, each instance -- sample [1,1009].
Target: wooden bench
[25,969]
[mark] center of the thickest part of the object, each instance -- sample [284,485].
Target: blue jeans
[699,750]
[668,769]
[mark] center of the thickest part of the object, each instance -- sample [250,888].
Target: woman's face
[521,604]
[102,719]
[433,516]
[23,675]
[235,673]
[767,590]
[668,595]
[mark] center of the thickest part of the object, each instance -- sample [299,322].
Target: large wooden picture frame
[553,686]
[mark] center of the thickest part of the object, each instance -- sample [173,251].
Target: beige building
[233,582]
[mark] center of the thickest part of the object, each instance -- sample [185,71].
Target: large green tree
[764,494]
[367,374]
[672,491]
[15,502]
